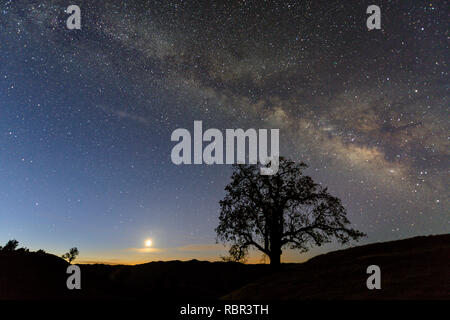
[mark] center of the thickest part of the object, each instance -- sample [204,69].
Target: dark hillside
[416,268]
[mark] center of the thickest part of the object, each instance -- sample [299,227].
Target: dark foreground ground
[417,268]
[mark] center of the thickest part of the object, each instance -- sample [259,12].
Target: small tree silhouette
[24,249]
[287,209]
[71,255]
[11,245]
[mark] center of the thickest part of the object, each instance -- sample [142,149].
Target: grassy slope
[416,268]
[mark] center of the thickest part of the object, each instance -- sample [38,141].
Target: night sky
[86,117]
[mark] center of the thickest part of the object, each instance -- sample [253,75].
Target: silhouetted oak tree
[287,209]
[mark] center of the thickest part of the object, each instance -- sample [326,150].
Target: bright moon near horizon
[148,242]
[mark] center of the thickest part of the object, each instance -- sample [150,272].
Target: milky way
[86,115]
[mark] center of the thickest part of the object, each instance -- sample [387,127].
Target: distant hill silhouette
[31,275]
[417,268]
[168,280]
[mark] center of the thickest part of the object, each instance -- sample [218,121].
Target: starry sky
[86,117]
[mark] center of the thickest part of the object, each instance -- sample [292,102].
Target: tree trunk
[275,260]
[275,252]
[275,229]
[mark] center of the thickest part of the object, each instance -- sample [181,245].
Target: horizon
[254,257]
